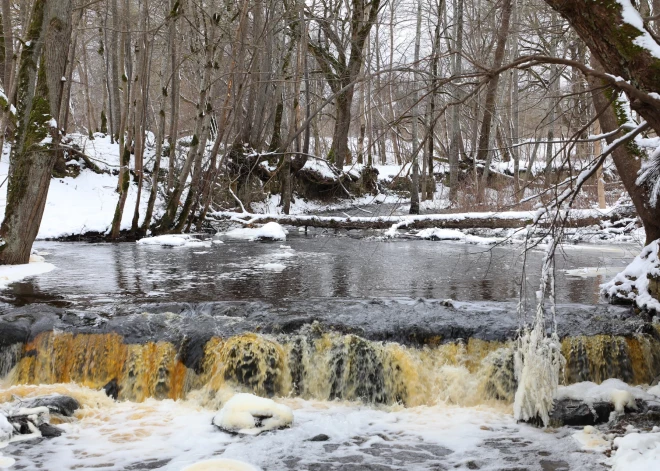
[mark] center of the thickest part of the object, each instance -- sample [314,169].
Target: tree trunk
[175,94]
[197,145]
[125,138]
[455,147]
[626,162]
[491,95]
[414,191]
[39,100]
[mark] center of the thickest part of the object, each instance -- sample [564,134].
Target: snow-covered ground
[86,203]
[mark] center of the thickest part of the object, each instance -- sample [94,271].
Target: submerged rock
[251,415]
[321,437]
[56,404]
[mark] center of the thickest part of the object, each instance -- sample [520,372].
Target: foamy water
[170,435]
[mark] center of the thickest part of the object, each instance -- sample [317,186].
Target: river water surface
[440,428]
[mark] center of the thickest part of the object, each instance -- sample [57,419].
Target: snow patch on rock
[250,415]
[278,267]
[269,231]
[452,234]
[175,240]
[633,282]
[612,390]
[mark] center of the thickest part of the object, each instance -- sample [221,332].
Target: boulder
[251,415]
[575,412]
[56,404]
[27,420]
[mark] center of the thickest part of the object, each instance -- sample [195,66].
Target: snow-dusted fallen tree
[487,220]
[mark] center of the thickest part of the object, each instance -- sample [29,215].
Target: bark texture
[42,66]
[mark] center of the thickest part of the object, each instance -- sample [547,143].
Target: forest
[330,234]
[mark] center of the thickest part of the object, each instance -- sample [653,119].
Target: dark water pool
[317,265]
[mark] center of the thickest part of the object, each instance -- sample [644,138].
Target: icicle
[538,361]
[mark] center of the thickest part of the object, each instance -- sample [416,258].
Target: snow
[6,431]
[611,390]
[240,415]
[269,231]
[86,203]
[320,167]
[272,205]
[636,452]
[655,390]
[632,17]
[12,273]
[452,234]
[278,267]
[220,465]
[175,240]
[592,272]
[633,283]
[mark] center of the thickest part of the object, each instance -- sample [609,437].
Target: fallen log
[485,220]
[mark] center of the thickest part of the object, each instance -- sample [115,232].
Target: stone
[50,431]
[574,412]
[112,389]
[322,437]
[56,403]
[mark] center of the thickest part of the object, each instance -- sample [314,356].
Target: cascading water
[317,364]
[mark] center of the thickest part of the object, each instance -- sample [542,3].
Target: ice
[636,452]
[251,415]
[269,231]
[221,465]
[11,273]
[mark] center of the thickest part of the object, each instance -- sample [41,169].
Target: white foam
[221,465]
